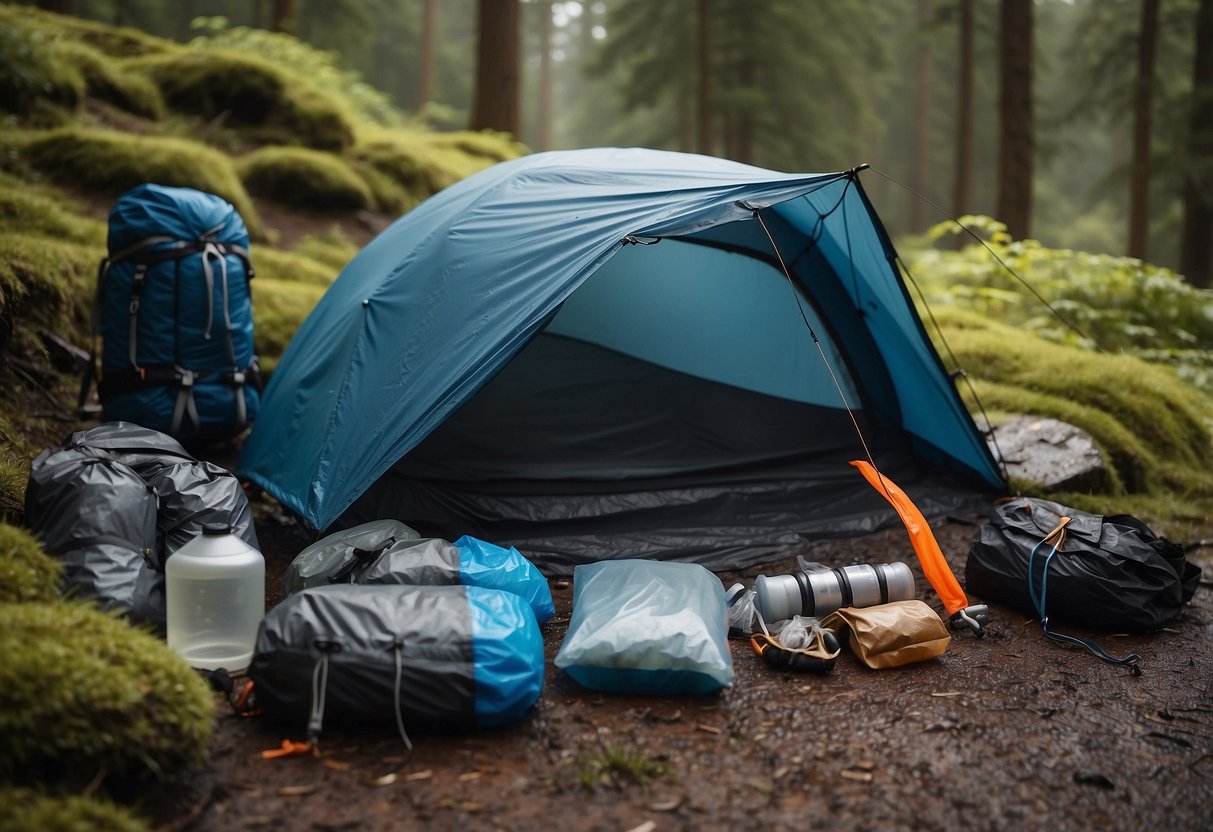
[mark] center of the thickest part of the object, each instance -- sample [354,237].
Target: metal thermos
[818,590]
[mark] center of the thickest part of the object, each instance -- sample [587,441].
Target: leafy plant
[1113,304]
[26,809]
[618,766]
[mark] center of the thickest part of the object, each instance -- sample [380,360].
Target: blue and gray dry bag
[446,657]
[175,316]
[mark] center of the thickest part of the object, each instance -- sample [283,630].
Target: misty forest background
[1072,121]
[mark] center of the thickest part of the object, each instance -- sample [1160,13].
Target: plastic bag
[388,552]
[1109,573]
[647,627]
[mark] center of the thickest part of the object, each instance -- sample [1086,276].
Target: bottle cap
[216,529]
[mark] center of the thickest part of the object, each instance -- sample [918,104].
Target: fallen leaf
[647,826]
[336,765]
[469,775]
[296,791]
[710,729]
[949,693]
[419,775]
[386,780]
[866,765]
[667,805]
[860,776]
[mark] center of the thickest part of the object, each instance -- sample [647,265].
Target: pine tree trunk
[429,28]
[1015,118]
[1196,254]
[543,140]
[922,117]
[962,174]
[704,79]
[495,99]
[283,16]
[1143,105]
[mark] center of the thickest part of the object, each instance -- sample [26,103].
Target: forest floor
[1009,731]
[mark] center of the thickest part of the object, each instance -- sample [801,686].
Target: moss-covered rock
[25,810]
[26,572]
[307,179]
[33,68]
[47,282]
[289,267]
[106,80]
[111,163]
[249,93]
[82,693]
[1153,430]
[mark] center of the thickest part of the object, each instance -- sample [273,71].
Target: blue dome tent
[597,354]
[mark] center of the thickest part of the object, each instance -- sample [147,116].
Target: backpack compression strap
[137,377]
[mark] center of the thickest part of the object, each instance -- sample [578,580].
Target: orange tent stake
[931,558]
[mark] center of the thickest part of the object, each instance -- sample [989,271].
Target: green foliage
[26,572]
[23,810]
[83,693]
[15,455]
[322,68]
[116,41]
[281,306]
[1119,304]
[307,179]
[250,93]
[112,163]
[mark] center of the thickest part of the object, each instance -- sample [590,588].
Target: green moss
[387,195]
[405,160]
[26,572]
[286,266]
[106,80]
[118,41]
[281,308]
[83,693]
[111,163]
[47,282]
[249,93]
[1153,430]
[486,144]
[306,179]
[23,810]
[14,468]
[33,69]
[334,249]
[27,209]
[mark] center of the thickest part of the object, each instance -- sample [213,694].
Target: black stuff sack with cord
[173,312]
[421,657]
[1108,573]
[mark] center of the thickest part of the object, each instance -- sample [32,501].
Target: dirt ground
[1006,732]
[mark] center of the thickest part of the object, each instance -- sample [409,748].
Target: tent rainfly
[615,353]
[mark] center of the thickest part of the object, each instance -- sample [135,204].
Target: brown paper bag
[890,635]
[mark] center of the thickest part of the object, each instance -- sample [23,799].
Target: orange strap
[287,749]
[938,573]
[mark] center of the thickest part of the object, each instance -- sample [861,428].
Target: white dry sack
[647,627]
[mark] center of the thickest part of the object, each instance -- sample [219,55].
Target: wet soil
[1005,732]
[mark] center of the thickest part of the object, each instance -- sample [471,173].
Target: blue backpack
[175,316]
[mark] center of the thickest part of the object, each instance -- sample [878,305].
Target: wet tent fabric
[549,349]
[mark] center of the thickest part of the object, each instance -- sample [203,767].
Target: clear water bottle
[215,599]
